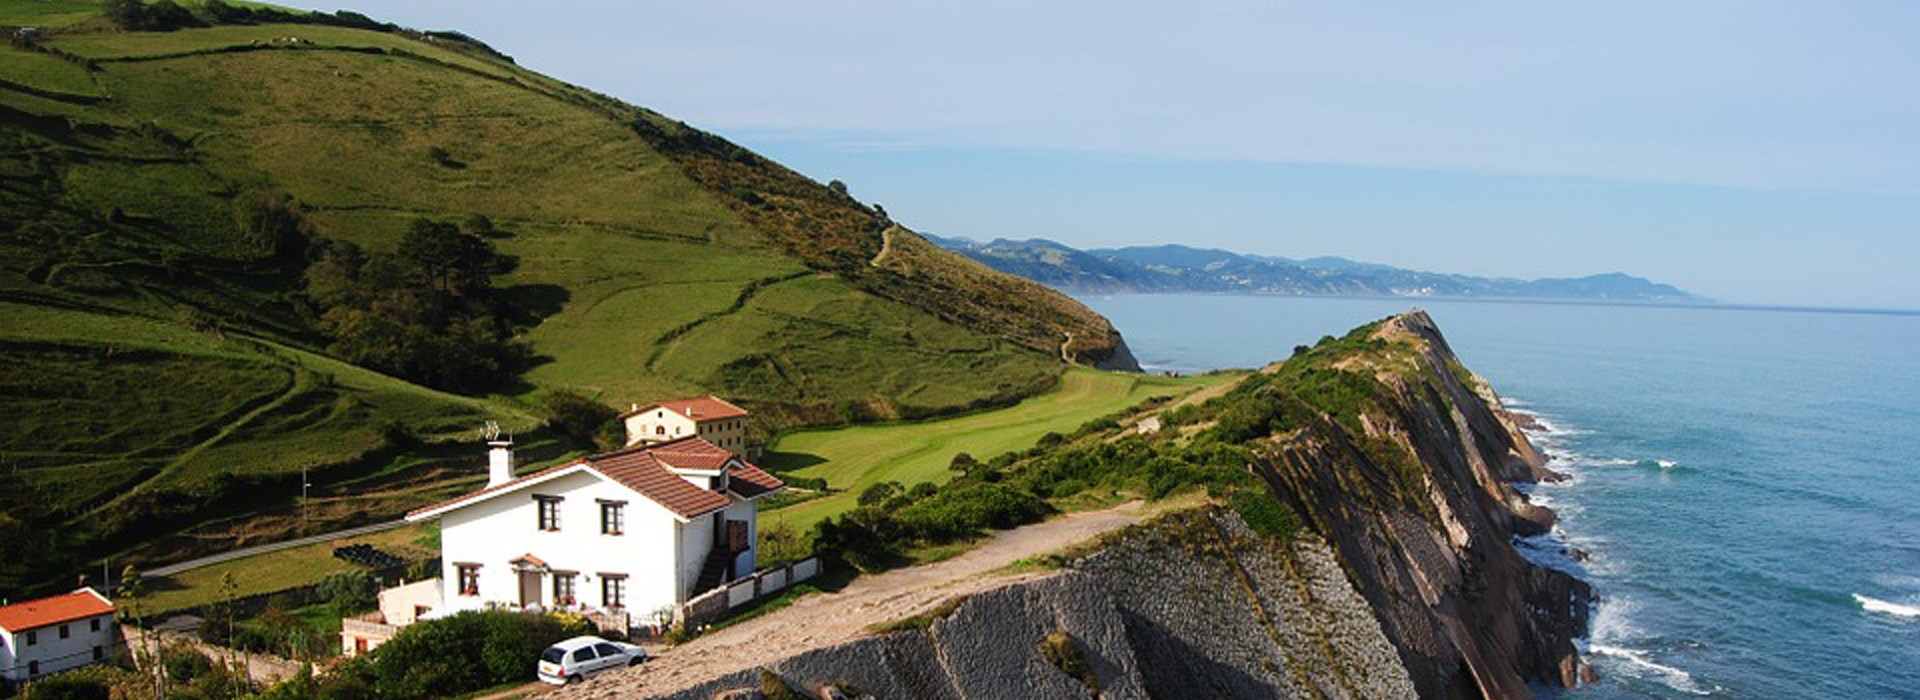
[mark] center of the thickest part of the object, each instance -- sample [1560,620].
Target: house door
[529,588]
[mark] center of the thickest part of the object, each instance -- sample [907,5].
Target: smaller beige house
[708,417]
[399,606]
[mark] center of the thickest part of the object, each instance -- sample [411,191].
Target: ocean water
[1747,482]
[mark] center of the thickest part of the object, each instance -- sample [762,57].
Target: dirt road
[826,619]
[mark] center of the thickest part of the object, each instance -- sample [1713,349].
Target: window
[65,632]
[99,653]
[33,638]
[33,668]
[96,624]
[613,590]
[549,512]
[563,588]
[469,578]
[583,654]
[659,430]
[613,517]
[606,650]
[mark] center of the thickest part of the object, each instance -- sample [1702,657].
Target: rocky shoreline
[1402,580]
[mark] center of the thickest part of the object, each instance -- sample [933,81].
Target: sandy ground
[827,619]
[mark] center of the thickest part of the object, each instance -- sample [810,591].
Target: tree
[577,416]
[479,224]
[272,224]
[452,260]
[130,15]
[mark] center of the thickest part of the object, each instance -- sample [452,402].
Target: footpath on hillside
[826,619]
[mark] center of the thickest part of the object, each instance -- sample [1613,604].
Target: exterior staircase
[714,572]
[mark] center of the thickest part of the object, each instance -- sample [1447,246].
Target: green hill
[167,194]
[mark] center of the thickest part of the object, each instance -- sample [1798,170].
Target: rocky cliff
[1398,580]
[1428,543]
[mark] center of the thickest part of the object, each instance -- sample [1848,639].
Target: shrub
[879,494]
[349,592]
[961,512]
[461,653]
[68,686]
[1060,649]
[579,417]
[1265,514]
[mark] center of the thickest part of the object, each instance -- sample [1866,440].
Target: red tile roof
[749,481]
[33,614]
[648,470]
[700,409]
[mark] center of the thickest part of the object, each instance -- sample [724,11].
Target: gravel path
[827,619]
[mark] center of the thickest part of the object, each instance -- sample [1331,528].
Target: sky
[1752,151]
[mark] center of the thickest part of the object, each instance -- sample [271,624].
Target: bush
[961,512]
[461,653]
[68,686]
[349,592]
[579,417]
[1265,514]
[879,494]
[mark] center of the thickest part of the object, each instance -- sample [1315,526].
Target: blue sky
[1751,151]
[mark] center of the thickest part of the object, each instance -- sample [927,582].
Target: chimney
[499,456]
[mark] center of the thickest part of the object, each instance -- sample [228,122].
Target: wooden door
[529,588]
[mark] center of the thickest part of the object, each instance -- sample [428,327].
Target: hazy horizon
[1748,152]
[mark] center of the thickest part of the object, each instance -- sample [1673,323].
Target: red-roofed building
[637,529]
[49,635]
[709,417]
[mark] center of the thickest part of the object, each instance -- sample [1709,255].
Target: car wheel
[635,661]
[575,678]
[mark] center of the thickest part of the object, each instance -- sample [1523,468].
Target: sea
[1745,481]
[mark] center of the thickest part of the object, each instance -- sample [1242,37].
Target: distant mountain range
[1178,268]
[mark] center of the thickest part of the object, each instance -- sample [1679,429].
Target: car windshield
[553,654]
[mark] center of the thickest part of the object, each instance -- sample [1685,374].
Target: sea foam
[1890,608]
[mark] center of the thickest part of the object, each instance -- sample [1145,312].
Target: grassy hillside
[854,458]
[169,373]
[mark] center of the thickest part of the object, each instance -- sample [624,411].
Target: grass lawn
[270,572]
[853,458]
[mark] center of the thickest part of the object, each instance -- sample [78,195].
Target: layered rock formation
[1402,580]
[1429,544]
[1192,605]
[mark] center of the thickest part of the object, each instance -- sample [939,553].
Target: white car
[576,659]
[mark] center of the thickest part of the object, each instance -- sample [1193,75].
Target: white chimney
[499,456]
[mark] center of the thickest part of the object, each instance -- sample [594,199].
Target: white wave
[1611,462]
[1549,551]
[1666,463]
[1890,608]
[1671,677]
[1511,402]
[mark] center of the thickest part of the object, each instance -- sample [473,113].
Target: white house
[710,417]
[638,529]
[49,635]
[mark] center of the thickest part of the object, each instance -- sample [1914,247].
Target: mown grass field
[271,572]
[855,457]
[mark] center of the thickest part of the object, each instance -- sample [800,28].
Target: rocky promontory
[1395,574]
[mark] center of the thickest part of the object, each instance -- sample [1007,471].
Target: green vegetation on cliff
[174,203]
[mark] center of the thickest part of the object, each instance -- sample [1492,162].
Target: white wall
[397,604]
[696,541]
[495,531]
[53,653]
[641,426]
